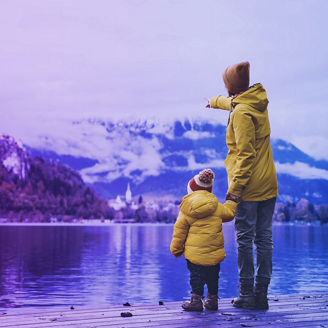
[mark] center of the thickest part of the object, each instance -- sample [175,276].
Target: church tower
[128,194]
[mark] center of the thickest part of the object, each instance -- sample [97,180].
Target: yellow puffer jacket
[249,163]
[198,229]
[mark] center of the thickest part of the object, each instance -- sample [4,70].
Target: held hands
[234,198]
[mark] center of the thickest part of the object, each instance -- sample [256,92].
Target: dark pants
[253,225]
[201,275]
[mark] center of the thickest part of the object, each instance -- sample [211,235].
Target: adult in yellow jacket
[198,235]
[251,178]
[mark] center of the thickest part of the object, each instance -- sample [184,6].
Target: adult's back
[249,163]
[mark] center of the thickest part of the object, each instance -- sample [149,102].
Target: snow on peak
[13,156]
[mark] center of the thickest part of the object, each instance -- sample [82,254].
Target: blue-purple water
[112,264]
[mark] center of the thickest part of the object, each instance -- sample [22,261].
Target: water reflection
[97,266]
[300,259]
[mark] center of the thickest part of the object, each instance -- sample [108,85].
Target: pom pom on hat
[236,78]
[202,181]
[206,176]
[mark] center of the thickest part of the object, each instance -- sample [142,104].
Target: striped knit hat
[202,181]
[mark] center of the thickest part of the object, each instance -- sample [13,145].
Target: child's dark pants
[201,275]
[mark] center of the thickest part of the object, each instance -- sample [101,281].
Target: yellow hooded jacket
[198,229]
[249,163]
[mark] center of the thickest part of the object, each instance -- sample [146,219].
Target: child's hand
[234,198]
[208,103]
[178,254]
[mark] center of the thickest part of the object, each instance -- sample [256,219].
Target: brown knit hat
[202,181]
[236,78]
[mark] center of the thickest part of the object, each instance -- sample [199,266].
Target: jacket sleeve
[221,102]
[244,131]
[228,210]
[181,228]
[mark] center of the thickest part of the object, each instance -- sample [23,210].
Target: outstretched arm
[228,210]
[220,102]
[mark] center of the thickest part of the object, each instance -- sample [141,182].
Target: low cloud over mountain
[158,158]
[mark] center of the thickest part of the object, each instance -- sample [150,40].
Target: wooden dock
[285,311]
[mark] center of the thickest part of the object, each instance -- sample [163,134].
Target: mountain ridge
[38,188]
[160,158]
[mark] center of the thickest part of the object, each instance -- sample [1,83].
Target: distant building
[122,201]
[128,194]
[117,203]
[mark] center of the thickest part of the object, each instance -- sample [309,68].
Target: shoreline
[82,224]
[97,223]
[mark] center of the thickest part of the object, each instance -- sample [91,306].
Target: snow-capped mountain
[13,156]
[159,158]
[32,187]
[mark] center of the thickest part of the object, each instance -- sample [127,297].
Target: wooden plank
[164,312]
[139,310]
[285,311]
[187,323]
[162,309]
[223,303]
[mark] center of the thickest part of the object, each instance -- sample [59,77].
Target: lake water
[112,264]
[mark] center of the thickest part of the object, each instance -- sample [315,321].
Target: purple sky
[68,59]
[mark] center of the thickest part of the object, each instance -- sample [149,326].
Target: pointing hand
[208,103]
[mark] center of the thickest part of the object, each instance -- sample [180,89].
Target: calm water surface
[112,264]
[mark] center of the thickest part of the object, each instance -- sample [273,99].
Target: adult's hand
[208,103]
[234,198]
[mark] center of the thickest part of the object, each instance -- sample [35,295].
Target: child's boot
[196,304]
[246,298]
[211,302]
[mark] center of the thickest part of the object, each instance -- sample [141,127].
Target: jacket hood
[199,204]
[255,97]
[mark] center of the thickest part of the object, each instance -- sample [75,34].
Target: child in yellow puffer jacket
[198,235]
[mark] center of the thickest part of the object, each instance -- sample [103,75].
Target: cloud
[194,135]
[315,146]
[301,170]
[81,60]
[212,163]
[123,153]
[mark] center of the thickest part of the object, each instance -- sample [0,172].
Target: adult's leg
[264,248]
[263,241]
[245,226]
